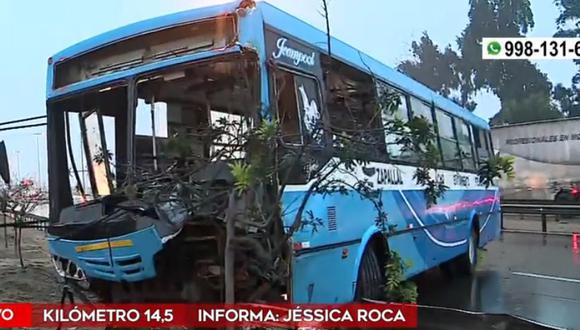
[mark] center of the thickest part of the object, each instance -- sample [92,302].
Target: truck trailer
[546,159]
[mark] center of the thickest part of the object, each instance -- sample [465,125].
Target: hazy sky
[32,30]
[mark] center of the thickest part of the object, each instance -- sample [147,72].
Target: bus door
[296,85]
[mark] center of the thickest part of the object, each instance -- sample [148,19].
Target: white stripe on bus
[490,211]
[435,240]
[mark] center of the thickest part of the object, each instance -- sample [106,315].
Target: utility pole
[84,170]
[17,165]
[38,158]
[153,137]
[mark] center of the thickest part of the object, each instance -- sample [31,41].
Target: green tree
[492,18]
[439,70]
[465,72]
[569,20]
[532,108]
[568,99]
[432,67]
[569,26]
[516,83]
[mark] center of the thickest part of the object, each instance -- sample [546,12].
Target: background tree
[467,73]
[532,108]
[513,82]
[431,66]
[439,70]
[569,26]
[18,202]
[568,98]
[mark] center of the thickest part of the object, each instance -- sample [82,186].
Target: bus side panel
[490,221]
[324,276]
[440,236]
[455,214]
[332,225]
[322,273]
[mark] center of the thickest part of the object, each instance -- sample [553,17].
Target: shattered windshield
[177,110]
[93,124]
[99,155]
[174,114]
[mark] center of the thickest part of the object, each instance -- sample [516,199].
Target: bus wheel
[447,269]
[370,281]
[468,261]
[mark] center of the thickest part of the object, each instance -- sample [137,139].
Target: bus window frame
[436,132]
[410,113]
[135,81]
[462,121]
[459,161]
[429,104]
[489,143]
[474,151]
[273,101]
[407,100]
[54,105]
[486,144]
[433,122]
[383,157]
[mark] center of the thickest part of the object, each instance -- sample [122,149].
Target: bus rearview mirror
[4,167]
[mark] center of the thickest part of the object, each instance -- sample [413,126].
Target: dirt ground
[37,282]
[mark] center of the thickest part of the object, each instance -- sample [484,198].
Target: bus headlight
[68,269]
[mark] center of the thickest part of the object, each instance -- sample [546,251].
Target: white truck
[547,159]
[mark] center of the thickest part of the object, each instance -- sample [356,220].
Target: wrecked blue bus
[114,100]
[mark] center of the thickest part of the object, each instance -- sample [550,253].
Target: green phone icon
[493,48]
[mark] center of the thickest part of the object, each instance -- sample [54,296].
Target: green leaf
[496,167]
[396,288]
[242,174]
[267,130]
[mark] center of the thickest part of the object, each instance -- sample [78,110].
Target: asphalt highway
[531,276]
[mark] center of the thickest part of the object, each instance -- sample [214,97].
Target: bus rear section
[343,257]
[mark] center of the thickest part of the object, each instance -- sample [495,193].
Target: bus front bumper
[127,258]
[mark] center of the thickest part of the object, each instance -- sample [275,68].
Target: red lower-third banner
[209,316]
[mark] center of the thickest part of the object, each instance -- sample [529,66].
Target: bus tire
[447,269]
[467,262]
[370,282]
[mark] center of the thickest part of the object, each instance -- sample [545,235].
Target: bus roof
[141,27]
[350,55]
[294,27]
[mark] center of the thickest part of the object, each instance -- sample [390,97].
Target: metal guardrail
[29,221]
[541,207]
[538,201]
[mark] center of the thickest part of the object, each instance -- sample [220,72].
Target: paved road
[527,275]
